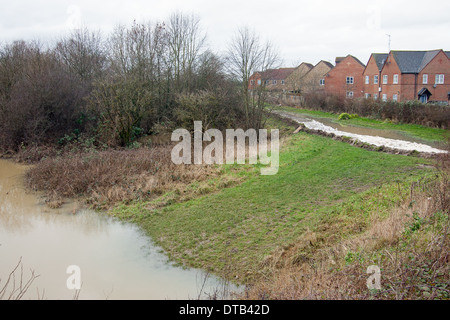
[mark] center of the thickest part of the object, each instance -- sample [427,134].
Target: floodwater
[378,137]
[115,259]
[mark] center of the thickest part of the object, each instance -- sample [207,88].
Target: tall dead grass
[411,247]
[107,177]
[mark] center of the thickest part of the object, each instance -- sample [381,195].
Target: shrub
[344,116]
[432,115]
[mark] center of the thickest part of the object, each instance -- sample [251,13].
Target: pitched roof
[413,61]
[339,59]
[329,64]
[380,58]
[447,53]
[357,60]
[277,74]
[309,65]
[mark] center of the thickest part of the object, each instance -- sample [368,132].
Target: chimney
[338,59]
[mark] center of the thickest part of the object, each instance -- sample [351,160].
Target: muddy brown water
[115,259]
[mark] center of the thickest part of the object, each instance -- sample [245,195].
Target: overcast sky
[302,31]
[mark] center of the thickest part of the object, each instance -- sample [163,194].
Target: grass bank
[309,231]
[414,130]
[323,187]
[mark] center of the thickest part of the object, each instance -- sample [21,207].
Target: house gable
[411,66]
[311,80]
[345,79]
[436,69]
[295,79]
[372,74]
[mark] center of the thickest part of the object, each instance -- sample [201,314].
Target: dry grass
[411,247]
[108,177]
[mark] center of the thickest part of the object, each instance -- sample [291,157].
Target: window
[349,94]
[395,97]
[282,82]
[367,95]
[274,81]
[425,79]
[375,79]
[349,80]
[395,79]
[322,82]
[439,79]
[385,79]
[367,79]
[267,82]
[252,82]
[384,97]
[375,96]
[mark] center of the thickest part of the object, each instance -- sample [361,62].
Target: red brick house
[314,80]
[372,75]
[272,80]
[415,75]
[345,79]
[295,80]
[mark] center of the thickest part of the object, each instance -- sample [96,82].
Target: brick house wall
[403,89]
[411,82]
[272,80]
[348,68]
[254,81]
[372,75]
[276,79]
[294,81]
[439,65]
[312,80]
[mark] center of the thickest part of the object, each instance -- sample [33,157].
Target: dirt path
[390,144]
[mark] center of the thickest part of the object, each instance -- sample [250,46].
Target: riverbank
[371,139]
[436,136]
[255,230]
[325,192]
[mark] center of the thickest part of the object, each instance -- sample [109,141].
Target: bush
[432,115]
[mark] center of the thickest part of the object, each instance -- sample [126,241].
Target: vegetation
[414,130]
[141,80]
[243,231]
[412,112]
[95,116]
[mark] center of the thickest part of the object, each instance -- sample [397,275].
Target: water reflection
[117,261]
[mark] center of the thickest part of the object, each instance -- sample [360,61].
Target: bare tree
[246,55]
[83,53]
[185,42]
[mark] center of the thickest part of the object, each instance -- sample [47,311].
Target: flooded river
[115,260]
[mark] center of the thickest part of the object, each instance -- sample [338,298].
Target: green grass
[413,130]
[322,185]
